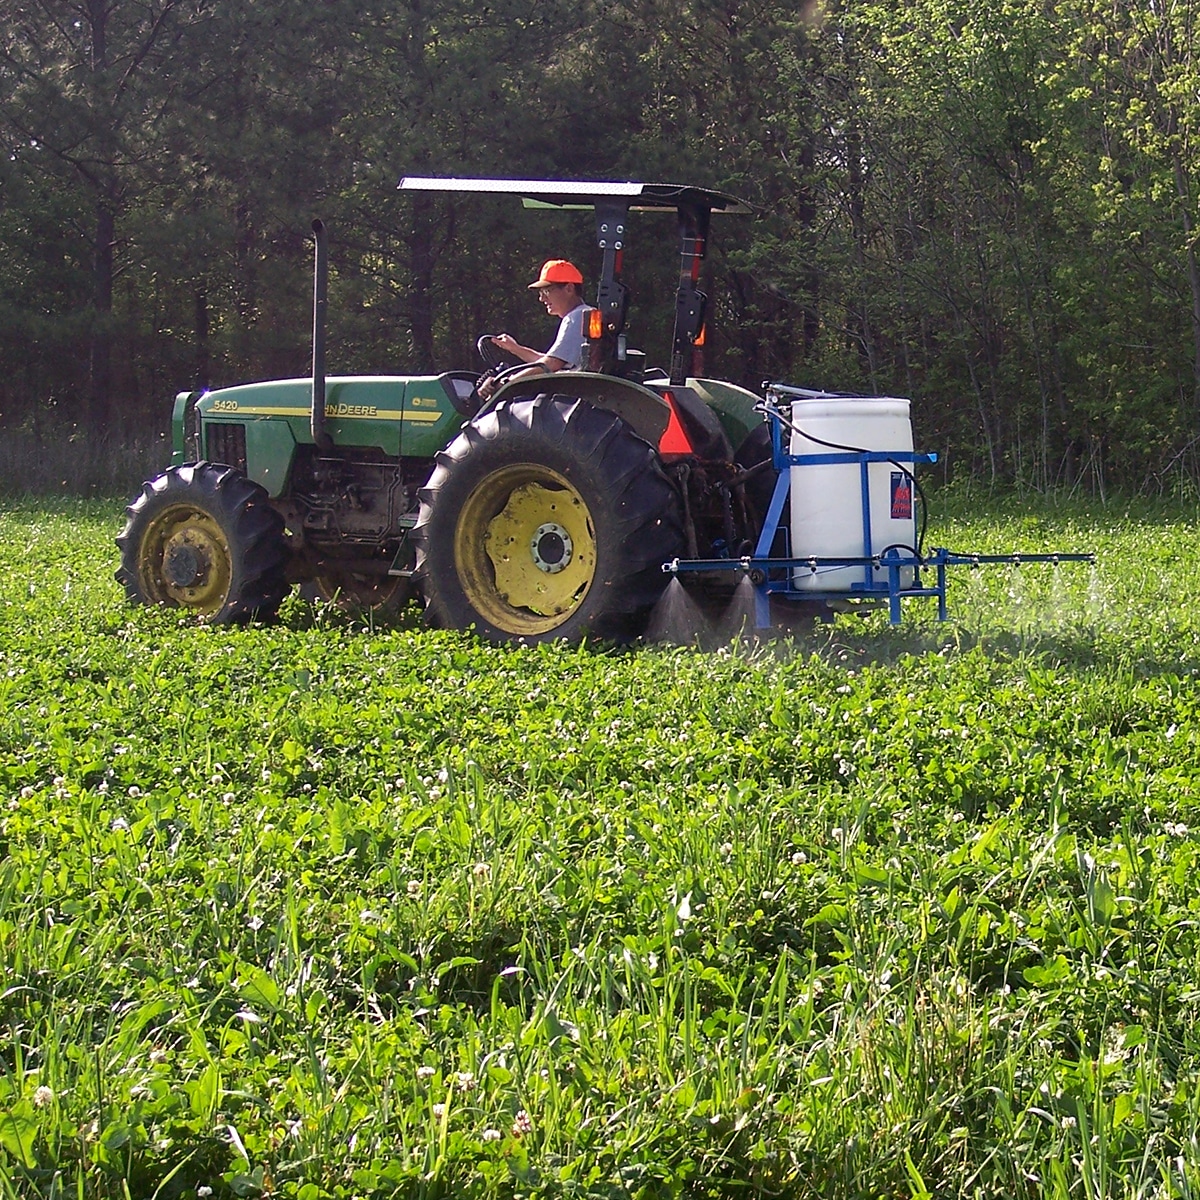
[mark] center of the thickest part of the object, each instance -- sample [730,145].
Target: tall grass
[72,463]
[320,910]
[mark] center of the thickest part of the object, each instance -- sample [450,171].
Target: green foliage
[323,910]
[990,208]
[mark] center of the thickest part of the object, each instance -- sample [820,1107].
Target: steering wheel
[491,354]
[494,357]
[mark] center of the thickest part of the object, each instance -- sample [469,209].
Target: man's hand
[508,344]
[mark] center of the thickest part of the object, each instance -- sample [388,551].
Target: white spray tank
[827,498]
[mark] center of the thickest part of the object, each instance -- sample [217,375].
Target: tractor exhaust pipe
[320,304]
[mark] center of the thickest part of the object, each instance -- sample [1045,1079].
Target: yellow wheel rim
[185,560]
[525,549]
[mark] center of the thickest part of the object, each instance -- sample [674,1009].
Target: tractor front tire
[545,519]
[204,538]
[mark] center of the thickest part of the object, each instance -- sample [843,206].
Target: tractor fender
[645,412]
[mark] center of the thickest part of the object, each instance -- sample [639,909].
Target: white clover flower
[522,1124]
[1173,829]
[726,849]
[229,798]
[798,858]
[414,887]
[439,1111]
[425,1072]
[204,1190]
[135,791]
[43,1096]
[26,792]
[465,1081]
[481,870]
[255,924]
[492,1135]
[119,823]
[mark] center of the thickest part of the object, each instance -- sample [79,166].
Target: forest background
[990,208]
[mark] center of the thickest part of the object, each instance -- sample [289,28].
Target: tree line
[991,209]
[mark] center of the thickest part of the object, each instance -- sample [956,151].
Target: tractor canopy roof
[582,194]
[612,201]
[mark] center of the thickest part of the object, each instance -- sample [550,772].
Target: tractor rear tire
[545,519]
[204,538]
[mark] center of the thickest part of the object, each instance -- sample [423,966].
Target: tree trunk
[201,335]
[100,350]
[1193,270]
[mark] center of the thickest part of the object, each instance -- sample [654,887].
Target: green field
[318,910]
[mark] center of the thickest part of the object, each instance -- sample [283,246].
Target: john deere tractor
[546,511]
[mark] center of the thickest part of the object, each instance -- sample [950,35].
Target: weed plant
[326,910]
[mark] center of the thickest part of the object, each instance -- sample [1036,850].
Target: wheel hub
[534,558]
[186,560]
[182,566]
[526,549]
[551,548]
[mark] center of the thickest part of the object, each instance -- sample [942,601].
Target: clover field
[319,910]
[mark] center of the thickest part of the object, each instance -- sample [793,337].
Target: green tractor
[546,511]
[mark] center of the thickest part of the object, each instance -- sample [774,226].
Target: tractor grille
[227,444]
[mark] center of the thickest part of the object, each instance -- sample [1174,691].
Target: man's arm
[546,365]
[510,345]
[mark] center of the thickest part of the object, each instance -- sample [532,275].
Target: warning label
[902,498]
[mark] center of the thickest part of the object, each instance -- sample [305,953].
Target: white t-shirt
[568,343]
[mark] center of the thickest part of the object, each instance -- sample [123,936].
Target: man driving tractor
[560,288]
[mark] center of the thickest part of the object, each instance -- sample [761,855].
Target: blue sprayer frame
[774,576]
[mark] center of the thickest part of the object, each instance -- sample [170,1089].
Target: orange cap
[557,270]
